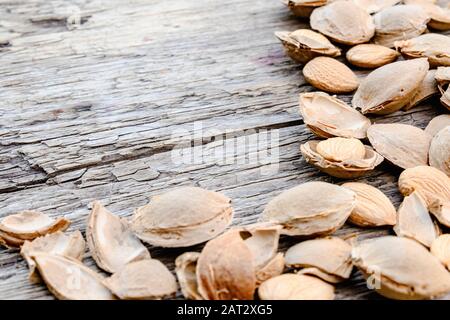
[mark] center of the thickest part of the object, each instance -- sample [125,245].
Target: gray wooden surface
[95,94]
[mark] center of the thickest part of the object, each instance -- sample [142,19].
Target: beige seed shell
[185,268]
[441,210]
[437,124]
[303,8]
[344,22]
[328,116]
[404,79]
[143,280]
[445,99]
[341,149]
[111,242]
[439,16]
[400,22]
[303,210]
[442,77]
[182,217]
[68,245]
[316,272]
[373,208]
[427,89]
[225,269]
[435,47]
[414,221]
[330,75]
[441,249]
[431,183]
[272,269]
[405,268]
[371,55]
[404,145]
[439,154]
[331,255]
[68,279]
[262,240]
[303,45]
[291,286]
[28,225]
[372,6]
[347,169]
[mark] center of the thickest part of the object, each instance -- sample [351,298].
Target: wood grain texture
[95,95]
